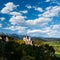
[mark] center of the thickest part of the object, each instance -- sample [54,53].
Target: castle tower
[4,38]
[27,40]
[7,39]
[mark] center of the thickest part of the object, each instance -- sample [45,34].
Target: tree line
[12,50]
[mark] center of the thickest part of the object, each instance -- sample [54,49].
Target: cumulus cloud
[0,25]
[49,8]
[42,21]
[16,17]
[35,31]
[45,17]
[10,6]
[13,28]
[56,26]
[19,29]
[46,31]
[52,30]
[55,2]
[39,21]
[52,11]
[15,13]
[29,6]
[48,0]
[25,11]
[17,20]
[35,8]
[43,31]
[2,18]
[39,9]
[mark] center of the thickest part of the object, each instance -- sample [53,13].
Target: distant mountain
[20,37]
[16,36]
[37,39]
[51,39]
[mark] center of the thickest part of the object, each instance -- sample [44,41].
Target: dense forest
[18,50]
[13,51]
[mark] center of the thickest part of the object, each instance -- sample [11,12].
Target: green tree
[12,51]
[27,58]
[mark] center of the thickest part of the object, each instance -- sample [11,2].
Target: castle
[27,40]
[4,38]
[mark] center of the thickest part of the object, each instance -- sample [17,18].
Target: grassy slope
[56,46]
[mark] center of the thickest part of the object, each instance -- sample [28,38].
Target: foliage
[20,41]
[13,50]
[38,43]
[27,58]
[56,45]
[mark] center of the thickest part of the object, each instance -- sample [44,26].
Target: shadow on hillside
[56,58]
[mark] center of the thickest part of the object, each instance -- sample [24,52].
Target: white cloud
[2,18]
[0,25]
[51,31]
[42,20]
[48,0]
[17,20]
[49,8]
[10,6]
[35,31]
[46,17]
[29,6]
[25,11]
[15,13]
[10,28]
[55,2]
[18,28]
[17,17]
[43,31]
[53,11]
[39,21]
[56,26]
[36,8]
[39,9]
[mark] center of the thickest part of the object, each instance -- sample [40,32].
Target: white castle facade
[27,40]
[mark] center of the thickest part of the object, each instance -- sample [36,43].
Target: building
[4,38]
[27,40]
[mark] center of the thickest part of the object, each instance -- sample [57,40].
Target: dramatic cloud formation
[34,18]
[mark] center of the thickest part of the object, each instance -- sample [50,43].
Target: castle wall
[27,40]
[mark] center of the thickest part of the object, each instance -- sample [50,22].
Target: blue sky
[39,18]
